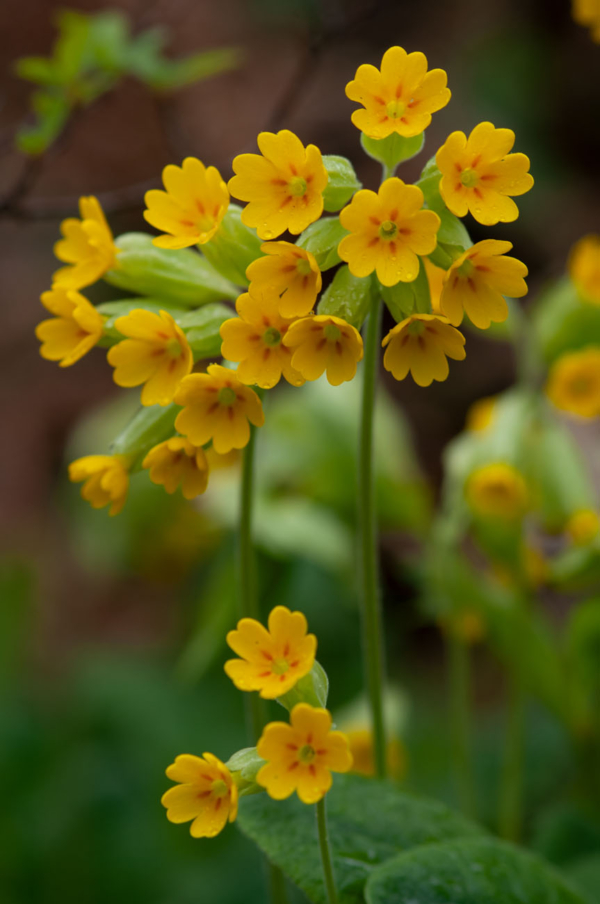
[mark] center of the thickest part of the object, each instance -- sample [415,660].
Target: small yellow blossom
[467,625]
[435,278]
[177,462]
[481,414]
[421,344]
[497,490]
[156,353]
[324,343]
[217,406]
[388,230]
[479,174]
[574,382]
[587,12]
[477,282]
[360,741]
[192,207]
[73,331]
[292,272]
[87,247]
[255,339]
[400,97]
[301,756]
[583,526]
[106,480]
[274,660]
[584,267]
[284,186]
[206,793]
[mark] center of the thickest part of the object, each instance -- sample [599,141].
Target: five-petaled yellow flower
[388,230]
[292,272]
[217,406]
[587,12]
[421,344]
[301,756]
[324,343]
[479,175]
[584,267]
[497,490]
[477,282]
[400,97]
[75,328]
[274,660]
[87,247]
[192,207]
[583,526]
[106,480]
[284,186]
[176,462]
[206,793]
[574,382]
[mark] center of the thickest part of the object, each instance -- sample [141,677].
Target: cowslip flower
[324,343]
[388,230]
[106,480]
[87,247]
[587,12]
[479,175]
[176,462]
[584,267]
[400,97]
[301,756]
[294,274]
[583,526]
[497,490]
[481,414]
[273,660]
[255,339]
[192,207]
[217,406]
[75,328]
[284,186]
[360,742]
[421,344]
[477,282]
[574,382]
[206,794]
[156,353]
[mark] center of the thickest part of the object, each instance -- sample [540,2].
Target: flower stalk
[325,847]
[459,681]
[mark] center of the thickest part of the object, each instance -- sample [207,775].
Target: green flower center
[173,348]
[303,267]
[332,332]
[227,395]
[219,788]
[271,337]
[297,186]
[388,230]
[469,178]
[306,754]
[465,269]
[280,666]
[416,327]
[395,109]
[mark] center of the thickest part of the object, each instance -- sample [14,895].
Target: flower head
[301,756]
[106,480]
[75,328]
[497,490]
[481,414]
[574,382]
[479,175]
[176,462]
[324,343]
[587,12]
[292,272]
[360,742]
[87,247]
[274,660]
[192,207]
[284,186]
[400,97]
[584,267]
[420,344]
[583,526]
[206,793]
[388,230]
[217,406]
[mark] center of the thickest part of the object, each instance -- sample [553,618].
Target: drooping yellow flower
[587,12]
[75,328]
[388,230]
[400,97]
[274,660]
[360,741]
[584,267]
[435,278]
[206,793]
[192,207]
[176,462]
[217,406]
[583,526]
[284,186]
[481,414]
[156,353]
[294,274]
[479,175]
[255,339]
[87,247]
[477,282]
[301,756]
[497,490]
[574,382]
[106,480]
[421,344]
[324,343]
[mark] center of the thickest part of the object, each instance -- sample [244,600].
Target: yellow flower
[217,406]
[583,526]
[400,97]
[106,480]
[389,229]
[177,462]
[574,382]
[360,741]
[435,278]
[292,272]
[301,756]
[587,12]
[73,331]
[324,343]
[87,247]
[497,490]
[156,353]
[255,339]
[420,344]
[284,186]
[584,267]
[479,174]
[466,624]
[274,660]
[206,793]
[477,282]
[481,413]
[192,207]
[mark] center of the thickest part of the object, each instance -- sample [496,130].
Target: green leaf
[585,873]
[233,247]
[148,427]
[109,40]
[563,322]
[393,150]
[322,239]
[202,329]
[71,45]
[247,762]
[312,689]
[167,75]
[347,296]
[39,70]
[342,184]
[52,109]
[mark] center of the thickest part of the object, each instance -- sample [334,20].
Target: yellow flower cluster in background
[497,490]
[587,12]
[584,268]
[574,382]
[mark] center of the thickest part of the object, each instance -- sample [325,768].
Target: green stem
[277,885]
[459,680]
[511,787]
[326,859]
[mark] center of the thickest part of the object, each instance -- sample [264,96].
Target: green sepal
[342,184]
[312,689]
[233,247]
[246,763]
[322,239]
[562,322]
[405,299]
[393,150]
[148,427]
[445,254]
[452,231]
[348,297]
